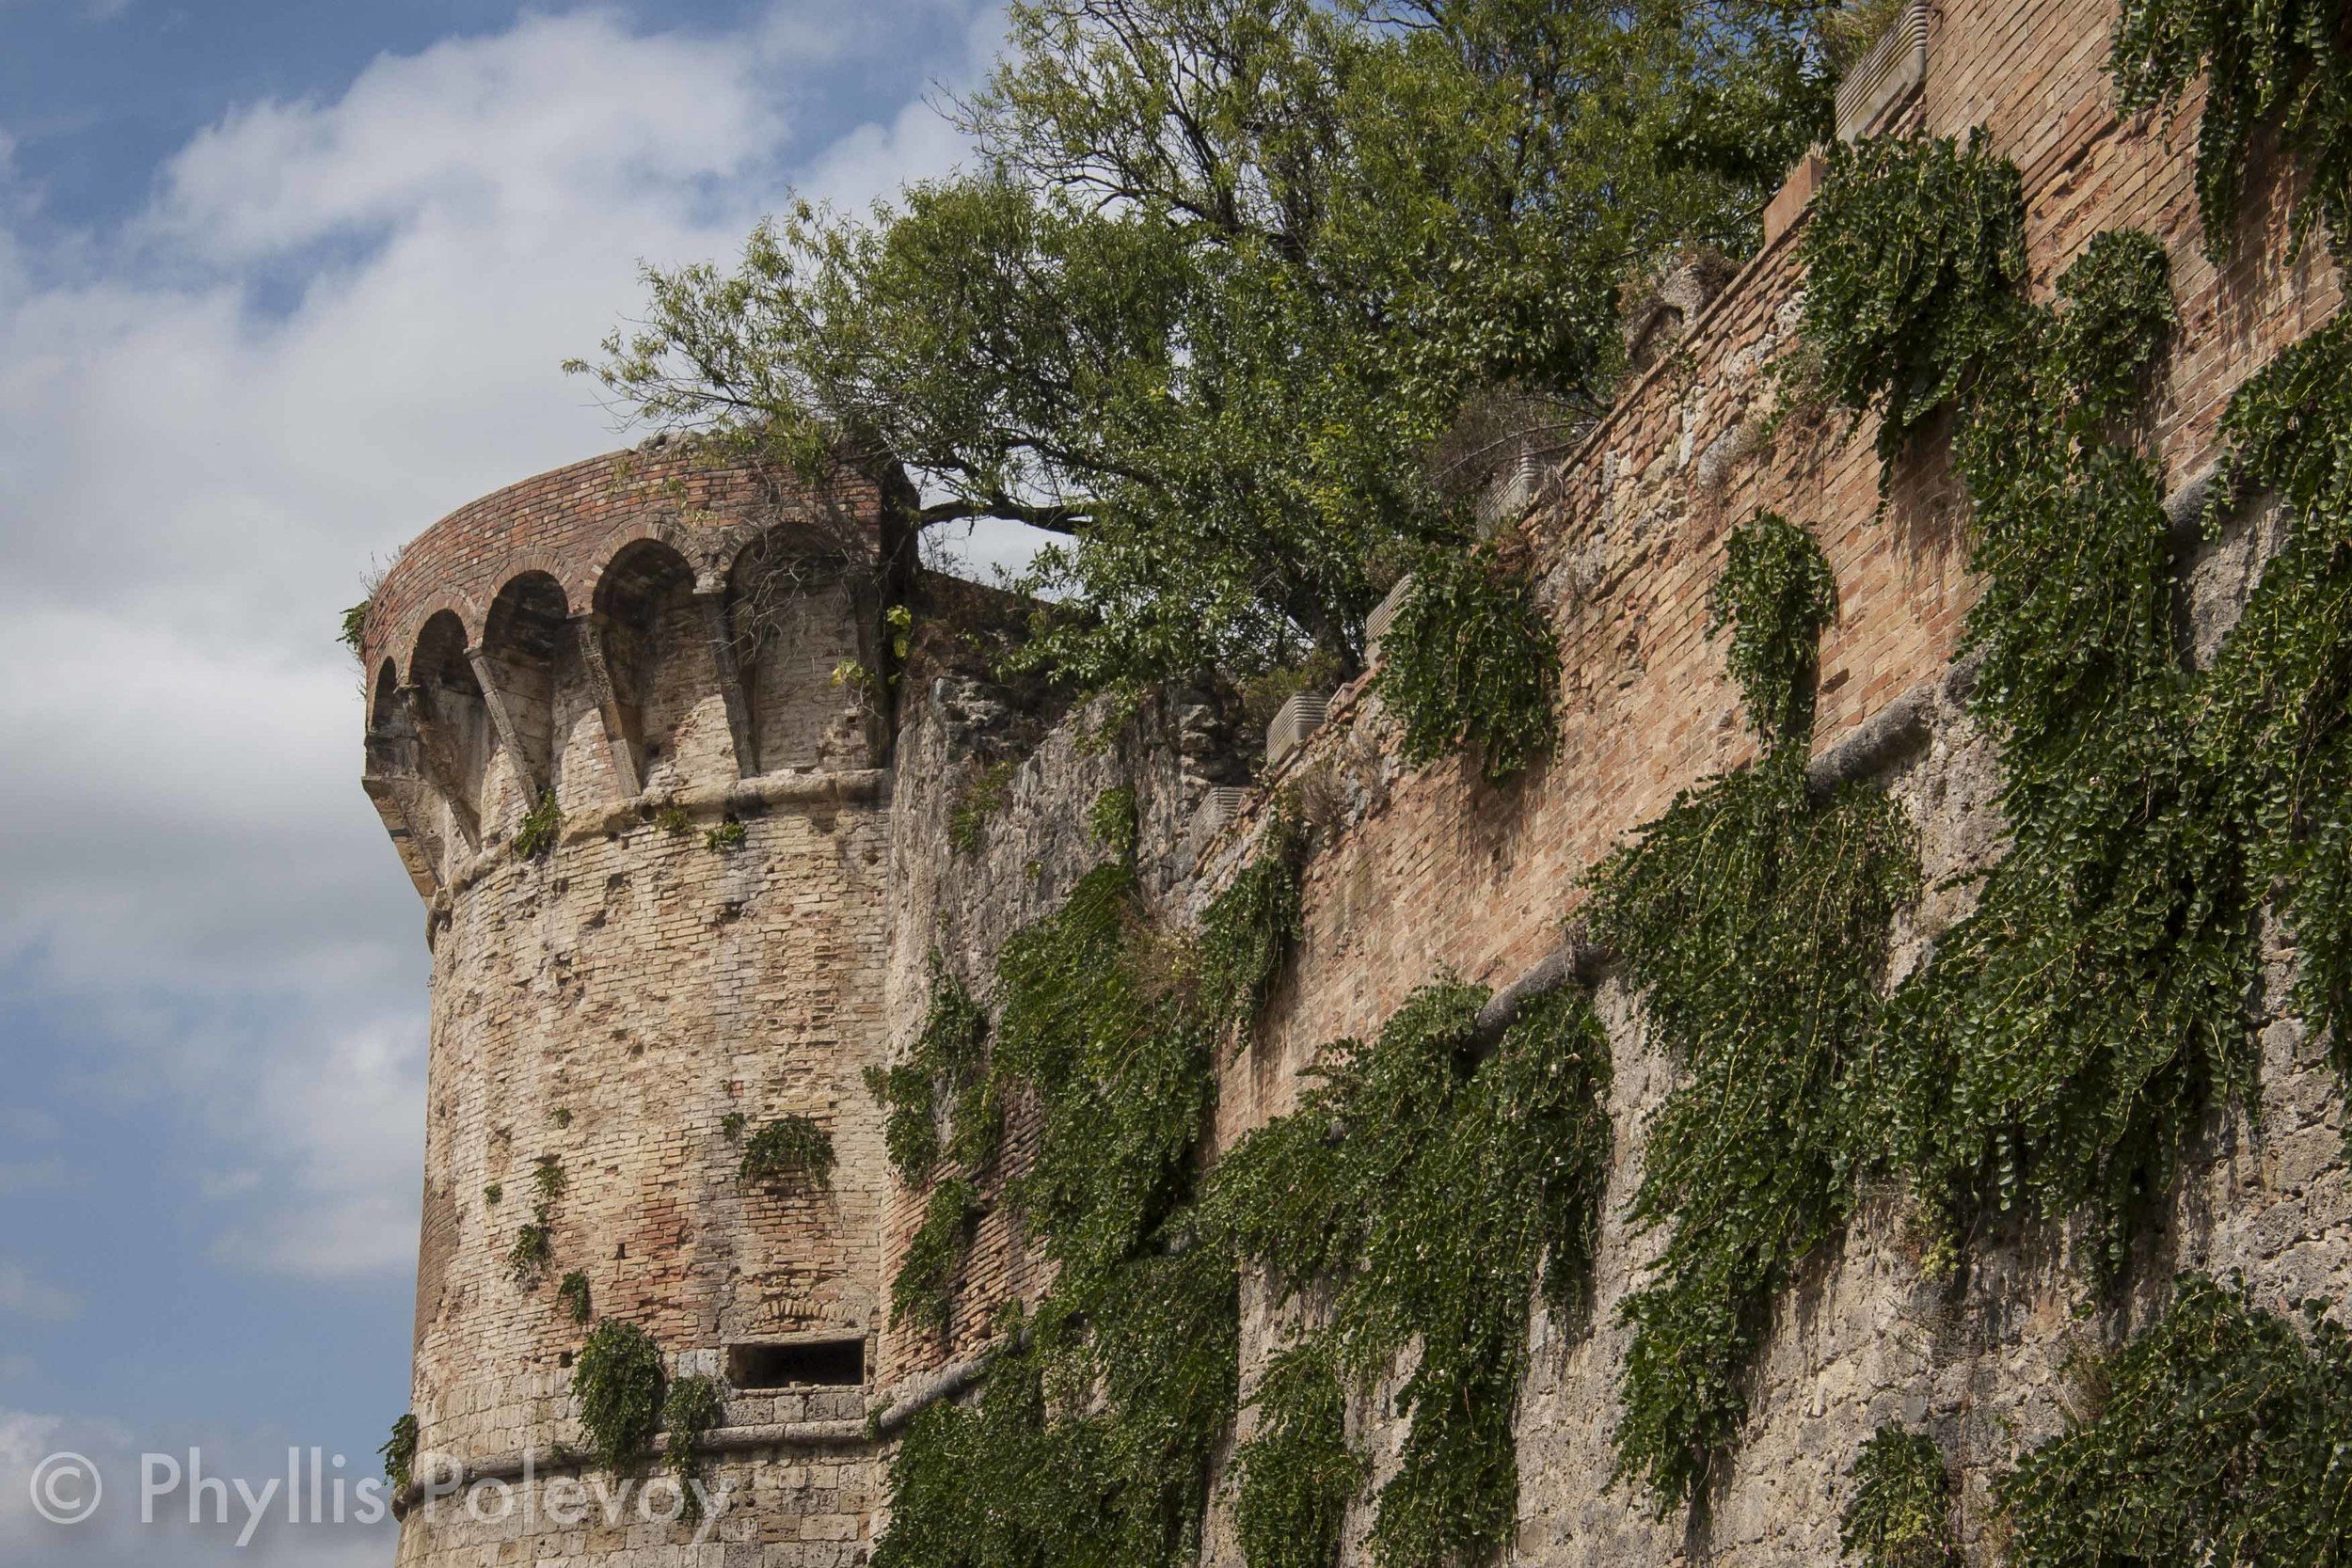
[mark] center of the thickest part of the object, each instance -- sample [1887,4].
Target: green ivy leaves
[1470,662]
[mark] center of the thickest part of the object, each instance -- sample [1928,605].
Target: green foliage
[547,1179]
[1220,273]
[1111,821]
[572,1291]
[947,1060]
[1247,930]
[493,1191]
[1776,592]
[2274,710]
[1297,1473]
[1901,1511]
[2071,1032]
[694,1406]
[534,1248]
[727,835]
[1755,918]
[618,1382]
[560,1116]
[541,826]
[672,819]
[1915,254]
[355,625]
[787,1152]
[1092,1439]
[2275,62]
[1435,1195]
[731,1126]
[400,1453]
[923,1290]
[984,794]
[1470,662]
[2218,1436]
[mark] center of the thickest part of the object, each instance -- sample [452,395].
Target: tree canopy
[1224,274]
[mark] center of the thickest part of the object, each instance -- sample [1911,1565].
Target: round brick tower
[648,819]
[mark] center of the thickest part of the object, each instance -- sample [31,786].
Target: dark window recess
[831,1363]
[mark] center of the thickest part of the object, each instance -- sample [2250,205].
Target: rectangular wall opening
[799,1363]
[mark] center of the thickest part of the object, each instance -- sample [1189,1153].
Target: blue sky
[279,284]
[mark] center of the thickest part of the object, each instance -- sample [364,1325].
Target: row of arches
[661,681]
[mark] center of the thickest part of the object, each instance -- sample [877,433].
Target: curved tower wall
[651,642]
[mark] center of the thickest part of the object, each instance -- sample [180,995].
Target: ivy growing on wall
[1092,1439]
[618,1382]
[572,1291]
[923,1290]
[1913,254]
[1470,662]
[1753,917]
[2218,1436]
[1247,930]
[947,1063]
[1435,1195]
[1901,1513]
[694,1406]
[1299,1474]
[787,1152]
[2277,62]
[2274,712]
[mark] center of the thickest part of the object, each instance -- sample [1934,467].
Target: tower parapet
[606,734]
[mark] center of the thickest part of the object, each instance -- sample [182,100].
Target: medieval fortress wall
[652,636]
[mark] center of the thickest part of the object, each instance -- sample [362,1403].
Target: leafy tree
[1223,272]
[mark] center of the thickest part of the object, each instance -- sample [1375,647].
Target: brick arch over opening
[452,718]
[528,649]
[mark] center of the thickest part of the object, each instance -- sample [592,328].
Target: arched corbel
[620,720]
[510,738]
[718,626]
[441,767]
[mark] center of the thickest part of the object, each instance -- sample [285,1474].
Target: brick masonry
[649,986]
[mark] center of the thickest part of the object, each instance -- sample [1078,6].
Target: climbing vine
[2218,1436]
[1470,662]
[787,1152]
[2073,1030]
[1914,255]
[693,1408]
[618,1382]
[1435,1195]
[923,1290]
[947,1062]
[534,1248]
[1247,932]
[572,1291]
[1299,1474]
[2274,710]
[2277,62]
[1901,1511]
[1092,1437]
[1753,917]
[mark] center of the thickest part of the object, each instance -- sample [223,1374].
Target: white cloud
[26,1295]
[338,320]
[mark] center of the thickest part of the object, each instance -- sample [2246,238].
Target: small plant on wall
[541,826]
[618,1382]
[573,1293]
[400,1453]
[726,836]
[789,1151]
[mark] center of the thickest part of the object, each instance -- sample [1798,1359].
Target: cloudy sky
[281,281]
